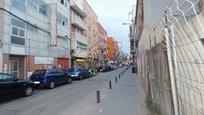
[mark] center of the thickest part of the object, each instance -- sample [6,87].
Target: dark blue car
[50,77]
[78,73]
[12,86]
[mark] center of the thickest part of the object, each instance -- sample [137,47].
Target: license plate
[36,82]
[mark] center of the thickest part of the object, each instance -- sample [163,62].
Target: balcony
[79,37]
[77,9]
[78,22]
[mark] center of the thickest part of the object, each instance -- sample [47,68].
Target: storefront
[76,61]
[63,63]
[15,65]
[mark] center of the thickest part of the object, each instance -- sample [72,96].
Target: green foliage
[151,106]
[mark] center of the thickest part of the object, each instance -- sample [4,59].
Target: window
[39,73]
[43,8]
[38,5]
[33,4]
[52,71]
[18,32]
[80,69]
[62,20]
[59,71]
[19,4]
[18,23]
[14,30]
[21,33]
[5,77]
[17,40]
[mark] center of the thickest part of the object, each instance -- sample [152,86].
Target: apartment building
[79,43]
[91,21]
[34,34]
[110,48]
[102,39]
[116,49]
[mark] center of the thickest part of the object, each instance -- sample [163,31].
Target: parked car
[50,77]
[113,66]
[105,69]
[78,73]
[12,86]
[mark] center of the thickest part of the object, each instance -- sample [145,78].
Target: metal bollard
[98,96]
[116,79]
[110,85]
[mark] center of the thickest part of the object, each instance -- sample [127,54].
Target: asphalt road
[78,98]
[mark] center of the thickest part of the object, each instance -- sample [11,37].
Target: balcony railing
[79,37]
[77,52]
[78,22]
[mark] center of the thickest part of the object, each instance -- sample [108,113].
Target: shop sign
[44,60]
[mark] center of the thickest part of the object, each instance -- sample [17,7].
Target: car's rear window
[39,73]
[72,70]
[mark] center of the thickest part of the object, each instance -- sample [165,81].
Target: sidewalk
[126,98]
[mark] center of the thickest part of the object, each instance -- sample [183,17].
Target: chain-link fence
[174,59]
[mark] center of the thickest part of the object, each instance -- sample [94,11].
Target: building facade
[102,39]
[34,34]
[110,48]
[116,50]
[91,21]
[79,44]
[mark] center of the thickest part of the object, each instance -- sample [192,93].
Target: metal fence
[174,60]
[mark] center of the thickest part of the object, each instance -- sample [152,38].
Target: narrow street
[78,98]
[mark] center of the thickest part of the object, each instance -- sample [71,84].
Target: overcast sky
[111,14]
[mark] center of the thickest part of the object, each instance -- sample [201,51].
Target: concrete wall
[189,55]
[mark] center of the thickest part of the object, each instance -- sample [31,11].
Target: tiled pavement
[126,98]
